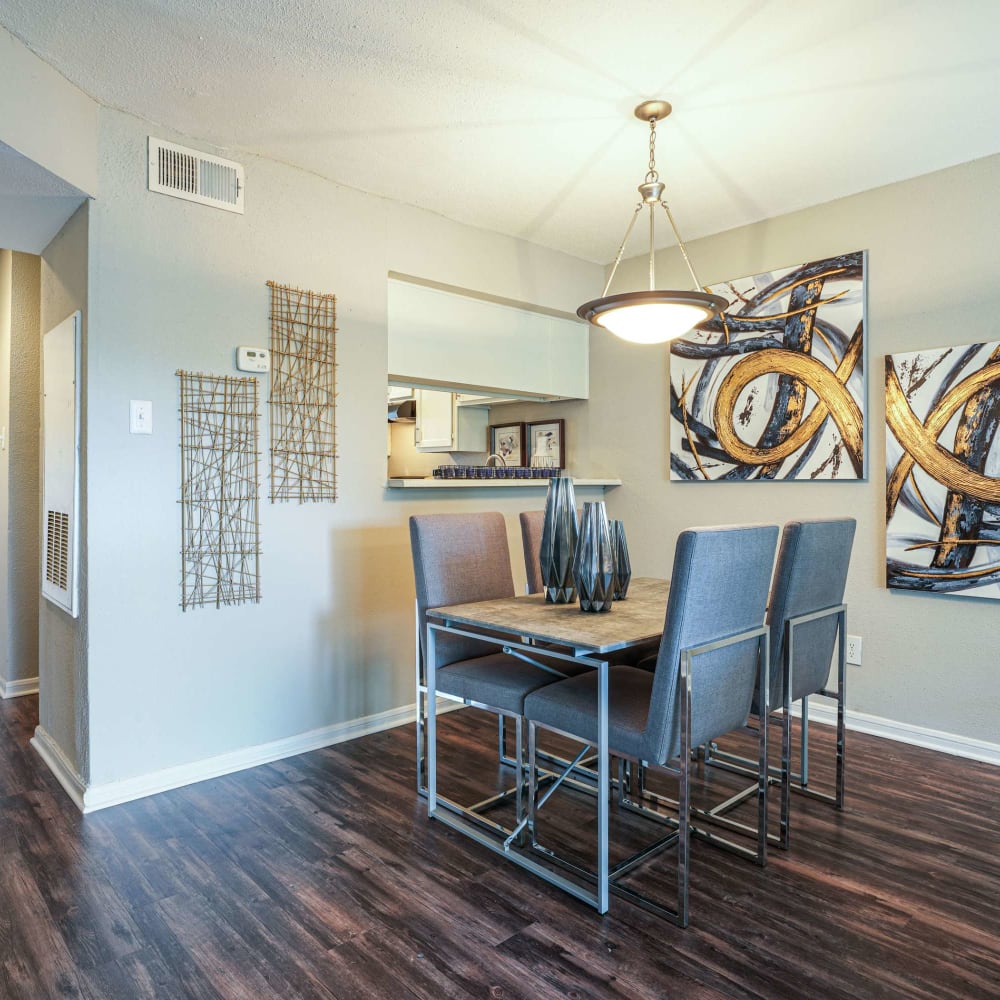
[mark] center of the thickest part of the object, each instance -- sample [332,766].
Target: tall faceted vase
[559,539]
[623,566]
[594,564]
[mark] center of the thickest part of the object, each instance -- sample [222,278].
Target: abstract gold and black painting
[775,387]
[942,498]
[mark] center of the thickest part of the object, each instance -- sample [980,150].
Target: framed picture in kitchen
[547,443]
[507,441]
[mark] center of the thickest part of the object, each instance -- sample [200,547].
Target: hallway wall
[20,394]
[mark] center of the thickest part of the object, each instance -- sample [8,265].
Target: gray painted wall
[62,640]
[24,518]
[176,285]
[933,262]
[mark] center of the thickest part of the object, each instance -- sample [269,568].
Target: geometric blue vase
[594,563]
[559,538]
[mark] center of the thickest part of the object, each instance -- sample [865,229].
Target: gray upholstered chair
[459,559]
[532,523]
[713,643]
[806,618]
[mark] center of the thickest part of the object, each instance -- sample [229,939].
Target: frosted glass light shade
[651,317]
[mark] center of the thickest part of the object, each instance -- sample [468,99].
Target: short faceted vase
[623,567]
[559,539]
[594,564]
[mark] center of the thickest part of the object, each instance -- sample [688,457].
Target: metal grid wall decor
[220,491]
[303,394]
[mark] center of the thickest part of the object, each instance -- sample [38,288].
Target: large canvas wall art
[943,470]
[775,387]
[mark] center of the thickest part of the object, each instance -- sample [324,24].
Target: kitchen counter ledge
[491,484]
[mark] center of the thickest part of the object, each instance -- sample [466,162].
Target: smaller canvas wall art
[775,387]
[507,441]
[943,470]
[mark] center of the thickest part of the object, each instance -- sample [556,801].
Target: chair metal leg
[603,788]
[684,795]
[421,743]
[804,745]
[519,813]
[421,712]
[431,721]
[784,821]
[841,706]
[763,694]
[532,781]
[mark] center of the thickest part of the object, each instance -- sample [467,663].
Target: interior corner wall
[6,275]
[62,640]
[934,257]
[22,450]
[176,285]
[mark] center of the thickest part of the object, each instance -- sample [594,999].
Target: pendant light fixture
[656,315]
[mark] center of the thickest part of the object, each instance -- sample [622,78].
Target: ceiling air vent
[195,176]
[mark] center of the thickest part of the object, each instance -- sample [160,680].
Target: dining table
[525,626]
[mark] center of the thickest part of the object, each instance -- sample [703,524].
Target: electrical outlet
[854,650]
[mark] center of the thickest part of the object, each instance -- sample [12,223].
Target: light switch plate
[140,416]
[253,359]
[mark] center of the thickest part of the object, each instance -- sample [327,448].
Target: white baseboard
[15,689]
[902,732]
[113,793]
[95,797]
[58,763]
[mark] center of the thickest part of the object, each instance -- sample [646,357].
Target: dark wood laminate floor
[320,876]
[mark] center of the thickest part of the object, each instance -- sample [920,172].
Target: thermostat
[252,359]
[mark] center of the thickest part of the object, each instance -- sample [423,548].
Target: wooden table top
[637,619]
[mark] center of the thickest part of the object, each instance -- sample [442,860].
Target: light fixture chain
[652,175]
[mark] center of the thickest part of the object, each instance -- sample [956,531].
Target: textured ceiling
[516,116]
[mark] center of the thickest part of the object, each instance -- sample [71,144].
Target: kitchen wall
[176,285]
[929,661]
[405,460]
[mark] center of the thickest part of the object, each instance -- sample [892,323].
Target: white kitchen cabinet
[442,338]
[442,426]
[398,393]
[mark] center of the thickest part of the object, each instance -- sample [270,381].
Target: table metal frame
[487,833]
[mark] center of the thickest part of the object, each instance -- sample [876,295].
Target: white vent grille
[57,549]
[195,176]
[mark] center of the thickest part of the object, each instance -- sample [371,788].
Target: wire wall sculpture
[943,470]
[775,387]
[303,393]
[220,491]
